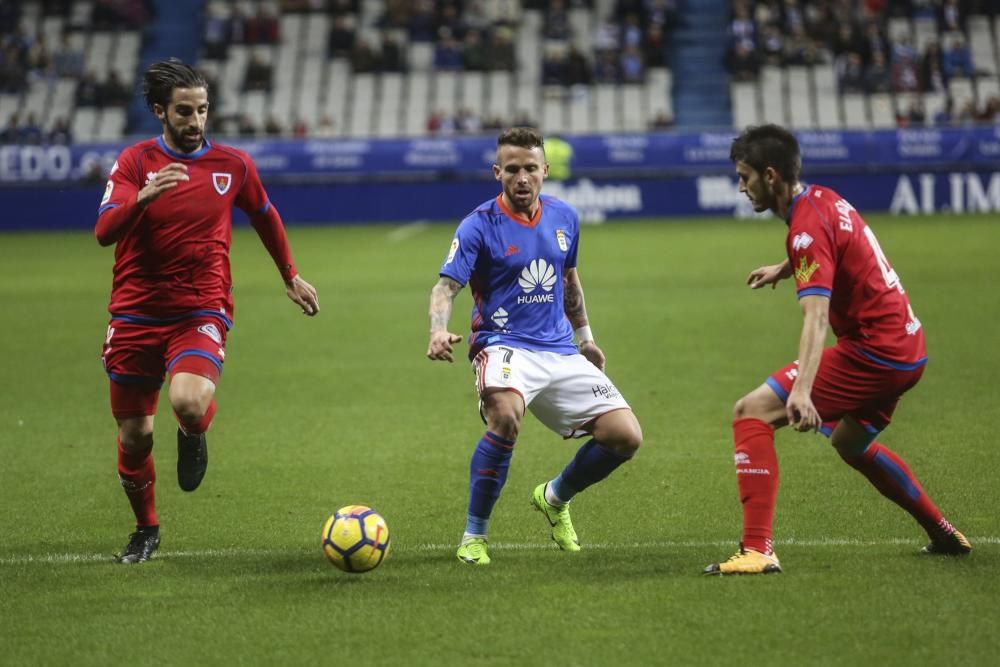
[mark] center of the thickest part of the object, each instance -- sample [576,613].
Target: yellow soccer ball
[356,539]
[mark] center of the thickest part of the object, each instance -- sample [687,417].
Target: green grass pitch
[344,408]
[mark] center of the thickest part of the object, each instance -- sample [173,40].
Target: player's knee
[190,408]
[740,409]
[504,422]
[136,435]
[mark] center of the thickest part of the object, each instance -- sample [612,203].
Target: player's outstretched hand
[303,294]
[801,412]
[165,179]
[767,275]
[593,353]
[440,347]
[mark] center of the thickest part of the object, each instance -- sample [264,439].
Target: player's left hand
[801,413]
[303,294]
[593,353]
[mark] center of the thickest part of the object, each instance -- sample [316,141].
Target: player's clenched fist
[440,348]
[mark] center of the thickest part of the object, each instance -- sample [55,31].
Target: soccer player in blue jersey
[518,253]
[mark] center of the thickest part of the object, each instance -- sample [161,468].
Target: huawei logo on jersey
[222,181]
[537,274]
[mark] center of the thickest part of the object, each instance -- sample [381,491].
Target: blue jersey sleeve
[464,251]
[574,243]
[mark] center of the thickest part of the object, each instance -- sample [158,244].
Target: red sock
[893,478]
[201,426]
[757,477]
[138,477]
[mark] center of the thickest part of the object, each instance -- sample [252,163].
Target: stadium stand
[388,68]
[865,64]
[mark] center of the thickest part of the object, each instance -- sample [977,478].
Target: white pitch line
[406,231]
[70,558]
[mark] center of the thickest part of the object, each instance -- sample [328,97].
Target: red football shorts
[850,383]
[137,356]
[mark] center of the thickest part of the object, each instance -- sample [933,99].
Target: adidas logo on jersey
[537,274]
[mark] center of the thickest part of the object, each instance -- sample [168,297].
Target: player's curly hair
[161,78]
[524,137]
[766,146]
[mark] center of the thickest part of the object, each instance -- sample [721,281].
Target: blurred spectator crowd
[854,36]
[26,58]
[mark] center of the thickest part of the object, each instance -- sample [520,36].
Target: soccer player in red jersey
[168,208]
[848,391]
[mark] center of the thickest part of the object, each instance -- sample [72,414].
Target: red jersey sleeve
[811,249]
[265,220]
[118,210]
[251,198]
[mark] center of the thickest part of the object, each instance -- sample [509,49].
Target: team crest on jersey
[805,270]
[107,193]
[212,332]
[561,238]
[221,181]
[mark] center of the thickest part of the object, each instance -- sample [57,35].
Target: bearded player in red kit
[168,208]
[848,391]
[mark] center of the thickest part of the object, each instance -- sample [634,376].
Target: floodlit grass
[344,408]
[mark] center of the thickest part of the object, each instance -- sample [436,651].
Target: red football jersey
[835,254]
[173,258]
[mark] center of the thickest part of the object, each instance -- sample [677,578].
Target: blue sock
[487,475]
[592,463]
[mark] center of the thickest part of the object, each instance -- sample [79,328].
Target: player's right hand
[165,179]
[766,275]
[440,347]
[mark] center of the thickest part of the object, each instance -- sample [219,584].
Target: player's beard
[183,140]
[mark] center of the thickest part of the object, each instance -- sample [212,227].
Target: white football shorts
[564,391]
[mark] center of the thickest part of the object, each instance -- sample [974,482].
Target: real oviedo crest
[561,238]
[222,182]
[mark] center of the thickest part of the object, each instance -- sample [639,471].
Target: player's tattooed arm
[576,313]
[442,298]
[573,303]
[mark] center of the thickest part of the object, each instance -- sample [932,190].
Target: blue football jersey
[515,272]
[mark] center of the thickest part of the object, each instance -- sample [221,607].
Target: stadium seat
[390,92]
[659,94]
[308,105]
[899,28]
[36,101]
[552,121]
[883,111]
[445,92]
[421,56]
[961,91]
[111,124]
[577,107]
[255,106]
[473,95]
[824,79]
[9,104]
[362,105]
[772,92]
[605,113]
[338,83]
[855,111]
[632,108]
[934,103]
[744,98]
[498,90]
[84,124]
[61,104]
[417,105]
[925,32]
[987,87]
[800,99]
[97,57]
[582,28]
[981,45]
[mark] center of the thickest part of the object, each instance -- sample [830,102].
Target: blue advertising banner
[620,176]
[655,154]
